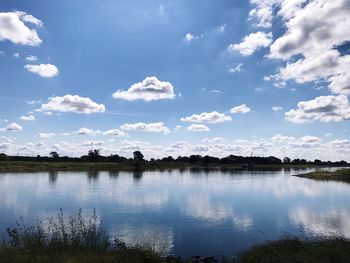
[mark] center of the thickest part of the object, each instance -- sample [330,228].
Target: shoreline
[33,166]
[339,175]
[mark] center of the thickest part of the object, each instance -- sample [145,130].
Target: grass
[79,239]
[339,175]
[301,250]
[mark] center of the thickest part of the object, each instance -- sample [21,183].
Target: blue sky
[206,77]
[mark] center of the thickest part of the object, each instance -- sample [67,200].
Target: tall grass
[76,239]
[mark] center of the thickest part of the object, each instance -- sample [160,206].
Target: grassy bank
[81,239]
[32,166]
[339,175]
[293,249]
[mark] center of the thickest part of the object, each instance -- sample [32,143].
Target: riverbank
[339,175]
[32,166]
[286,250]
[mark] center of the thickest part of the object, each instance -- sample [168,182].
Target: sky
[268,77]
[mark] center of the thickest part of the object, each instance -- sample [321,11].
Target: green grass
[339,175]
[301,250]
[77,239]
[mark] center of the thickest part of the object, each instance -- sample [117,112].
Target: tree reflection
[53,175]
[137,175]
[93,175]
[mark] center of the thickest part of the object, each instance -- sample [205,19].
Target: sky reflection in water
[185,213]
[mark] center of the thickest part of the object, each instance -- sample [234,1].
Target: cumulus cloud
[12,127]
[31,58]
[115,132]
[213,140]
[277,108]
[198,128]
[27,118]
[149,89]
[87,131]
[240,109]
[43,70]
[208,117]
[72,103]
[93,143]
[323,108]
[148,127]
[236,68]
[14,29]
[251,43]
[44,135]
[314,30]
[189,37]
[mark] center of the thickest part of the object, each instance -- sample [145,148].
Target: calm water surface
[184,213]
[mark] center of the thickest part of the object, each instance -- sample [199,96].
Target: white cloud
[213,140]
[16,55]
[43,70]
[27,118]
[12,127]
[240,109]
[198,128]
[31,58]
[277,108]
[313,31]
[148,127]
[87,131]
[209,117]
[44,135]
[149,89]
[93,143]
[234,69]
[278,138]
[115,132]
[189,37]
[72,103]
[323,108]
[251,43]
[14,29]
[222,28]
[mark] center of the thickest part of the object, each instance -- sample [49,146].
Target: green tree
[54,155]
[138,156]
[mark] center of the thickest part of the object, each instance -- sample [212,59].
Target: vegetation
[81,239]
[339,175]
[301,250]
[94,160]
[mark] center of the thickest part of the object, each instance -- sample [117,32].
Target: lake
[184,213]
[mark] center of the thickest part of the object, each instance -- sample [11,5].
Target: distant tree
[54,155]
[4,157]
[286,160]
[138,156]
[303,162]
[94,155]
[317,162]
[195,158]
[296,161]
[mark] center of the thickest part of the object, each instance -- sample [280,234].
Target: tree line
[94,155]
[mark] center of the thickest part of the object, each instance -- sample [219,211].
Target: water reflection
[330,221]
[53,175]
[93,175]
[137,175]
[189,212]
[158,238]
